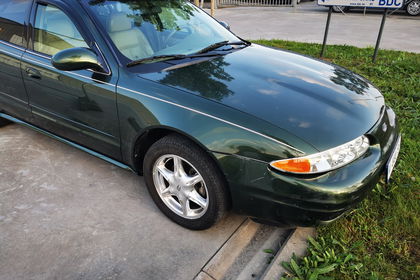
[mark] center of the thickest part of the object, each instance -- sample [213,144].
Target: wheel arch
[152,134]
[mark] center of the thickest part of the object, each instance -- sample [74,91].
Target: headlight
[325,161]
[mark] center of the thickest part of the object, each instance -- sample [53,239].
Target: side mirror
[225,24]
[76,59]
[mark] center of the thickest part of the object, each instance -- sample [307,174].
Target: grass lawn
[381,238]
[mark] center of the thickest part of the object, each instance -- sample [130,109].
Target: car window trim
[30,46]
[102,32]
[17,56]
[12,45]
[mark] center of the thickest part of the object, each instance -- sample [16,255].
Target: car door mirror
[76,59]
[225,24]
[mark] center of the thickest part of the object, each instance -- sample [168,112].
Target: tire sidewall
[408,6]
[201,162]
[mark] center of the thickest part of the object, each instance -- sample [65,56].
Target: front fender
[217,127]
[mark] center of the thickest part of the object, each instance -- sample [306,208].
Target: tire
[339,9]
[413,8]
[4,122]
[193,195]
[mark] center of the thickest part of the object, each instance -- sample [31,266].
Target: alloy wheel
[180,186]
[413,8]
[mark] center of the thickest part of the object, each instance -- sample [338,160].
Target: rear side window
[54,31]
[12,19]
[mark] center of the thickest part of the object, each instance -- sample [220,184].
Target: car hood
[323,104]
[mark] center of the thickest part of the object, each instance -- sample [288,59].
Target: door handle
[33,73]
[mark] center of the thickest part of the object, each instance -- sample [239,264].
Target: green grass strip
[379,239]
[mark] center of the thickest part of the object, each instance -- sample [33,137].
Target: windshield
[145,28]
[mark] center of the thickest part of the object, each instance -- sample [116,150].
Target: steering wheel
[189,30]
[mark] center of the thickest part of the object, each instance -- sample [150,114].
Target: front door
[78,105]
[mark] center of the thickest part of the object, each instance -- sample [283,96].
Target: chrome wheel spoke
[178,167]
[166,173]
[166,192]
[195,197]
[192,181]
[185,206]
[177,188]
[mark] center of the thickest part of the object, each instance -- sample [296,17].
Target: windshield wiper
[168,57]
[221,44]
[213,46]
[156,57]
[201,53]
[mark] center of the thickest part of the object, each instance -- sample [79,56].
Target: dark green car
[212,121]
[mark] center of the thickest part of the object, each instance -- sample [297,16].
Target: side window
[54,31]
[12,18]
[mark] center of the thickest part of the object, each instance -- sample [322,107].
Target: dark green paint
[304,201]
[288,90]
[13,96]
[76,59]
[246,107]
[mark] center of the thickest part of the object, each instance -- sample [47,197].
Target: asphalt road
[67,215]
[306,23]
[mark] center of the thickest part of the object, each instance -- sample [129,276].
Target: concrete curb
[242,257]
[225,257]
[296,243]
[259,262]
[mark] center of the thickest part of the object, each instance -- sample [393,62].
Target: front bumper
[268,195]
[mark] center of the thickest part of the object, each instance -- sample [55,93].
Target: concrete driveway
[67,215]
[306,23]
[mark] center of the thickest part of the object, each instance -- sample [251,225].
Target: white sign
[363,3]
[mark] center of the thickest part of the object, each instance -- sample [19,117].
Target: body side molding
[68,142]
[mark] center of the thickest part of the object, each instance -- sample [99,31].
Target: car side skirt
[68,142]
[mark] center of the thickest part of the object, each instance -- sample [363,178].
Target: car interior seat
[130,40]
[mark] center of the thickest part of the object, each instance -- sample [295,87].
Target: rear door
[14,15]
[78,105]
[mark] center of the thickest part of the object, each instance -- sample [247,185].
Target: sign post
[327,27]
[385,4]
[378,41]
